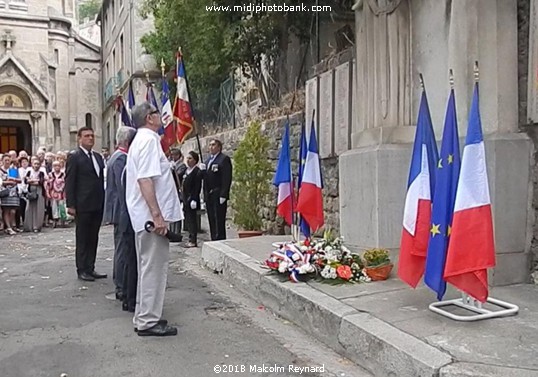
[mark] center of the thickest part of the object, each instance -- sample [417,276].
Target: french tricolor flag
[471,250]
[169,137]
[130,98]
[283,179]
[182,107]
[417,210]
[310,202]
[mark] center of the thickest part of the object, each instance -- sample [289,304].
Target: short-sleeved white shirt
[146,159]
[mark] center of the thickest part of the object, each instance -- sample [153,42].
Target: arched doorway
[15,128]
[15,135]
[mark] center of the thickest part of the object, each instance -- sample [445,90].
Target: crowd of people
[148,196]
[32,191]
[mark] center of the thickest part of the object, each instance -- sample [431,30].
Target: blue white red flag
[471,250]
[444,197]
[182,107]
[283,179]
[123,114]
[310,202]
[417,210]
[130,98]
[167,118]
[150,97]
[303,151]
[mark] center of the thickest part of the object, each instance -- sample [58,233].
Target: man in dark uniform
[217,182]
[85,195]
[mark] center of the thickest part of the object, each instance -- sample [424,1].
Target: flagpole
[294,234]
[192,107]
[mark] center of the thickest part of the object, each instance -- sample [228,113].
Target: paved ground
[51,323]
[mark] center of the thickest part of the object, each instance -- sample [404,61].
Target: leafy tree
[187,24]
[89,9]
[216,42]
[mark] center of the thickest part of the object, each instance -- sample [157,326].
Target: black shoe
[160,322]
[85,276]
[120,296]
[159,329]
[97,275]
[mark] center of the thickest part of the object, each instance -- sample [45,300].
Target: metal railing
[110,89]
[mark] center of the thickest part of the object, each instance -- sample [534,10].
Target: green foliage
[89,9]
[376,257]
[251,178]
[187,24]
[214,43]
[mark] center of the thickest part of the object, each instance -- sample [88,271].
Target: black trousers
[87,235]
[191,223]
[130,272]
[216,214]
[120,244]
[20,214]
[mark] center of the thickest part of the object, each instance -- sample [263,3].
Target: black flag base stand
[472,305]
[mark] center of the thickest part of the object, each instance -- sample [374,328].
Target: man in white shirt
[150,196]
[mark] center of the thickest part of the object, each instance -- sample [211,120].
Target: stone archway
[15,125]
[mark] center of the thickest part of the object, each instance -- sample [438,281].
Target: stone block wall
[273,129]
[523,20]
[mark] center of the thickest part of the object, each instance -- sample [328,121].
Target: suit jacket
[114,169]
[192,186]
[84,189]
[124,221]
[218,176]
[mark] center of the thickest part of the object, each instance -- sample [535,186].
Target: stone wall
[523,20]
[273,129]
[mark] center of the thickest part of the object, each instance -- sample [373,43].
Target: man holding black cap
[151,196]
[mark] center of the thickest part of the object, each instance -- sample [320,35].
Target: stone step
[373,344]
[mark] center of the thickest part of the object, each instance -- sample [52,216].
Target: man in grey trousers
[150,196]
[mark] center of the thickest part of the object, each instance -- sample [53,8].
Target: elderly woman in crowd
[35,178]
[56,194]
[10,200]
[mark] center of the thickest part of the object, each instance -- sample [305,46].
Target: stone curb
[366,340]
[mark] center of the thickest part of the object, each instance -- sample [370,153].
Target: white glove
[193,204]
[202,167]
[222,200]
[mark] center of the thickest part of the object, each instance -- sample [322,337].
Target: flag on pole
[150,97]
[471,250]
[446,182]
[123,114]
[417,210]
[130,98]
[283,179]
[303,150]
[182,108]
[310,202]
[169,135]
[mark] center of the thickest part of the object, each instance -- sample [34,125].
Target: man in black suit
[217,182]
[84,188]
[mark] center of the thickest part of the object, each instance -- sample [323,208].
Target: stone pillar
[444,34]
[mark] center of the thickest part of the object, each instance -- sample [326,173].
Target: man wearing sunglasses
[150,196]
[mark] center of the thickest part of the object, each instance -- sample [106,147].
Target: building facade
[49,76]
[123,59]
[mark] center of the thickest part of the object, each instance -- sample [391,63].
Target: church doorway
[15,135]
